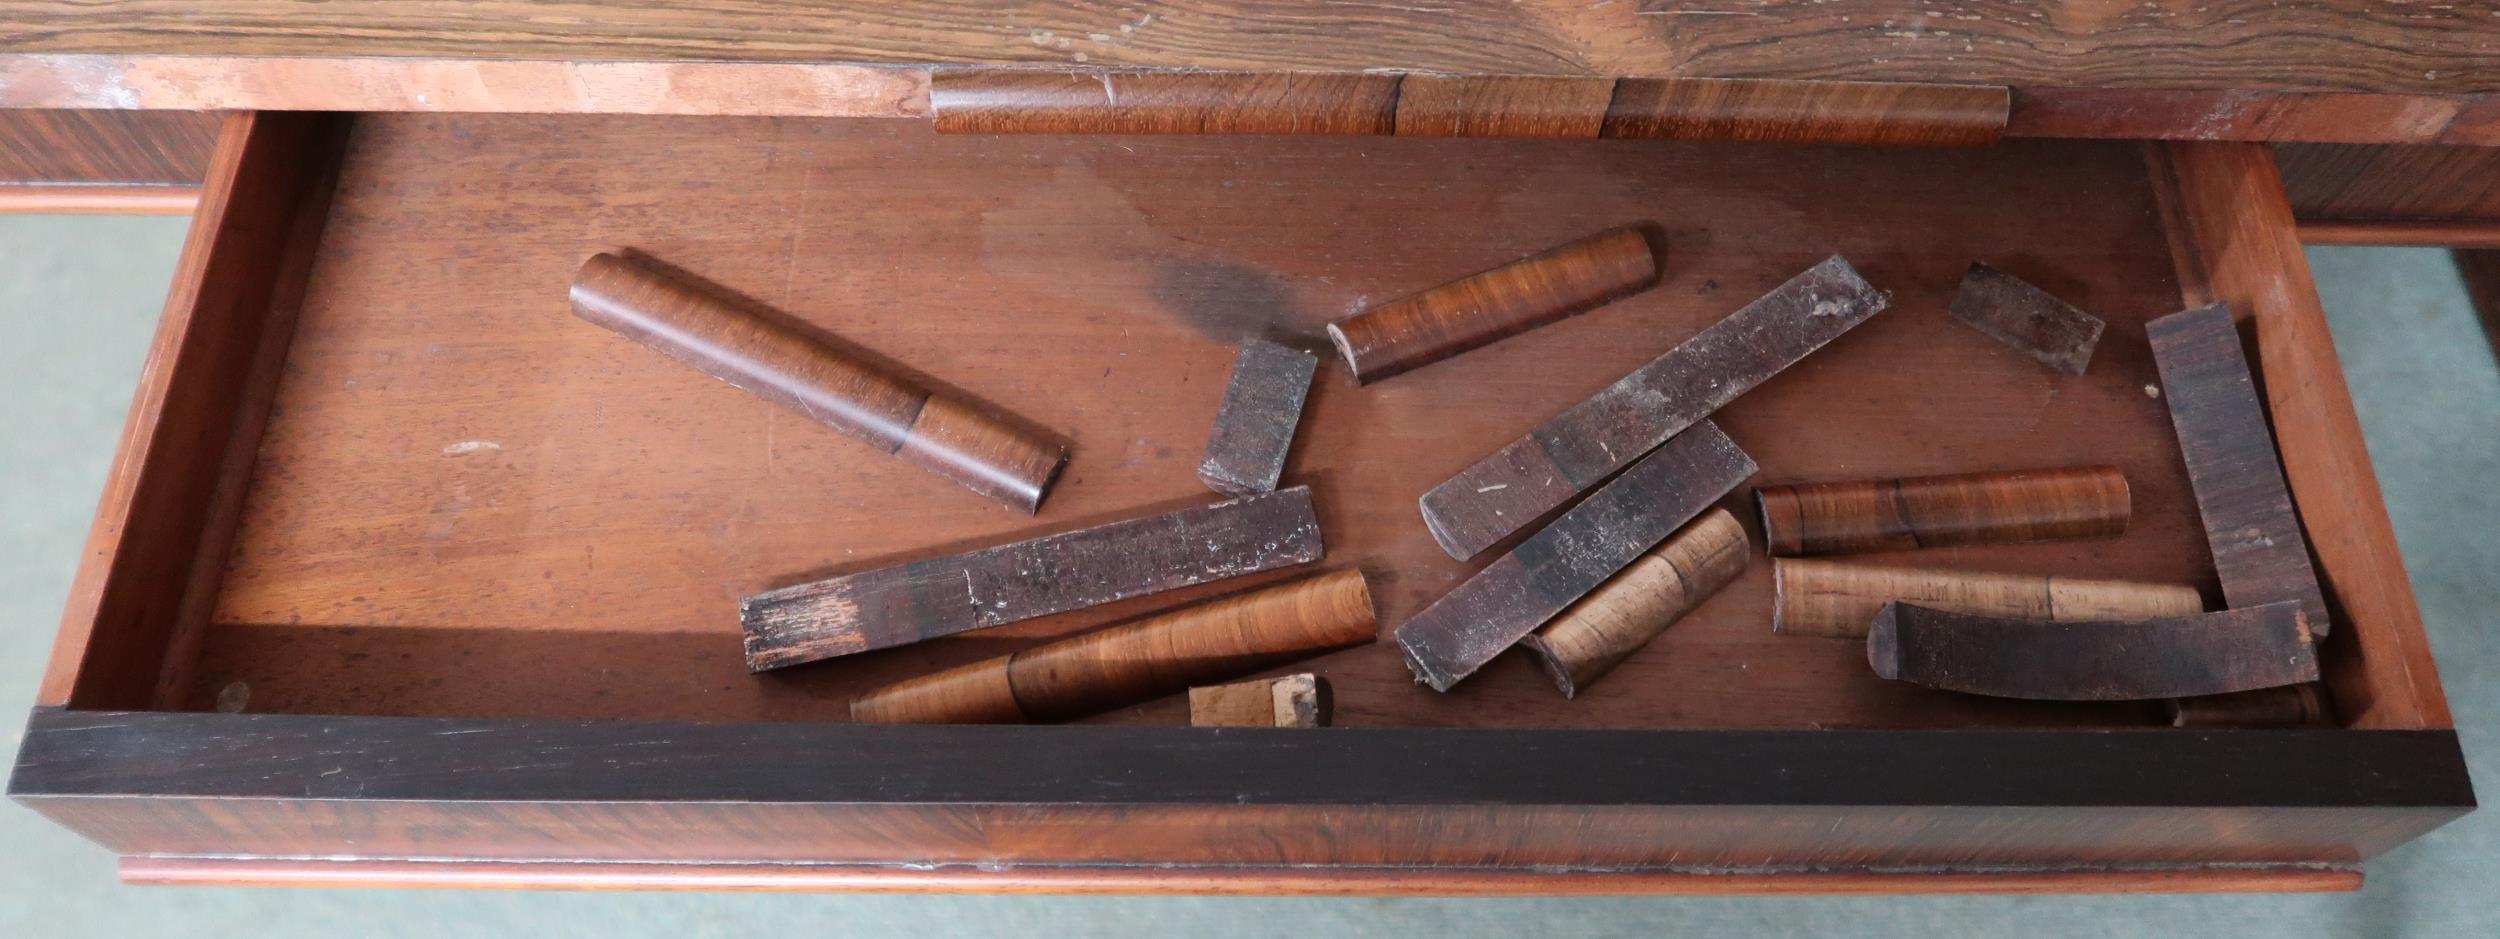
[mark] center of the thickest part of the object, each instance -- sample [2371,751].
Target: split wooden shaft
[1838,598]
[1140,660]
[1410,333]
[952,438]
[1934,511]
[1591,637]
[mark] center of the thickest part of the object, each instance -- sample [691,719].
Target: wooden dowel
[1406,334]
[987,454]
[1139,660]
[1589,638]
[1839,598]
[1933,511]
[1301,700]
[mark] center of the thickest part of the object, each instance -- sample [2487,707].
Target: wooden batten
[988,101]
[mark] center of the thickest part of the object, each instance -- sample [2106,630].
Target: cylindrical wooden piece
[1934,511]
[1410,333]
[1839,598]
[1592,636]
[1139,660]
[2289,706]
[990,455]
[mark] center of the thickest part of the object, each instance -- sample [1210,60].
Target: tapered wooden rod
[1139,660]
[1403,335]
[1839,598]
[1933,511]
[1591,637]
[990,455]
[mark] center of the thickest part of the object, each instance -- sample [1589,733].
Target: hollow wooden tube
[1592,636]
[1139,660]
[1839,598]
[954,439]
[1410,333]
[1934,511]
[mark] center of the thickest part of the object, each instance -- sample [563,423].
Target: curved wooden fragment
[2209,653]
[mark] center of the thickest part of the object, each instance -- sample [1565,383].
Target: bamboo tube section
[1839,598]
[990,455]
[1592,636]
[1140,660]
[1934,511]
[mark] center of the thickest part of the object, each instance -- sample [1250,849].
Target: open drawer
[406,575]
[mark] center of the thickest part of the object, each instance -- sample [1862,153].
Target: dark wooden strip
[1473,312]
[1255,424]
[2250,526]
[1562,562]
[1839,598]
[2027,318]
[2413,183]
[254,756]
[1574,450]
[987,101]
[1940,511]
[2208,653]
[1807,112]
[1502,106]
[105,148]
[1138,660]
[758,352]
[1052,574]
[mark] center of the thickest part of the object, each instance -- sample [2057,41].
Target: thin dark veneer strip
[2027,318]
[2250,524]
[1467,314]
[998,458]
[2208,653]
[1936,511]
[1582,446]
[1052,574]
[1561,563]
[1254,427]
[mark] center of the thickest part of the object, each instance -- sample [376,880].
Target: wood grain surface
[2250,524]
[763,353]
[2235,242]
[1840,598]
[1481,309]
[1300,700]
[1502,106]
[105,148]
[1560,563]
[1137,661]
[1501,494]
[446,501]
[1594,634]
[993,101]
[2331,46]
[1806,112]
[1254,426]
[1859,516]
[2027,318]
[2208,653]
[2416,183]
[1055,573]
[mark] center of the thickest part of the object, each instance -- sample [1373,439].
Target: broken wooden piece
[1839,598]
[1587,443]
[1407,334]
[1933,511]
[1559,564]
[1139,660]
[1287,701]
[1052,574]
[2027,318]
[2265,707]
[1254,426]
[2136,660]
[1592,636]
[2250,524]
[996,457]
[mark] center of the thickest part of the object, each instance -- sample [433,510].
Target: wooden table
[406,577]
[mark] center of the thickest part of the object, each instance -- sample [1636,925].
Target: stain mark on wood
[1052,574]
